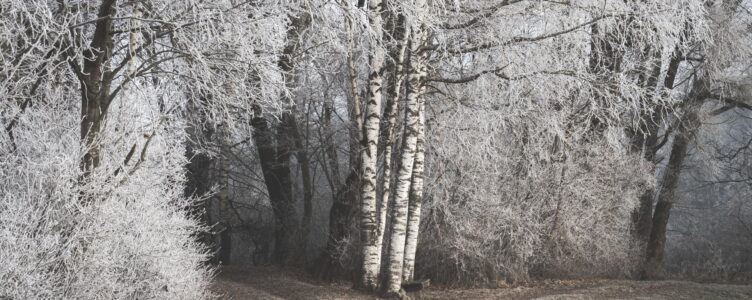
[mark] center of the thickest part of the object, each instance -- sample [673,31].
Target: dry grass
[273,284]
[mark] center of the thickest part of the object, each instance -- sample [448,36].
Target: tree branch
[484,15]
[515,40]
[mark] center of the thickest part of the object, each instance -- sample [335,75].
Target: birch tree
[416,199]
[369,149]
[397,55]
[408,153]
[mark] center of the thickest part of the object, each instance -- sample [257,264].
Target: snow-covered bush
[492,213]
[93,149]
[124,236]
[529,167]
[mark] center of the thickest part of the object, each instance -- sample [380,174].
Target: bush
[131,240]
[501,209]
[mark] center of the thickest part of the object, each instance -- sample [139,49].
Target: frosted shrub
[133,240]
[529,167]
[100,86]
[479,227]
[590,233]
[514,195]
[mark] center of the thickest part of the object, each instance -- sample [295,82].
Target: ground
[274,284]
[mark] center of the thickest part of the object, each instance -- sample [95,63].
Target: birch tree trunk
[407,156]
[369,153]
[416,198]
[397,54]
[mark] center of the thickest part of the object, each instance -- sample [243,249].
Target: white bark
[389,136]
[416,198]
[369,223]
[353,104]
[407,158]
[399,206]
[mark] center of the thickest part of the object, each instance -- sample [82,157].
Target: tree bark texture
[301,153]
[341,216]
[645,139]
[354,105]
[399,212]
[397,55]
[275,166]
[369,153]
[298,23]
[95,80]
[416,200]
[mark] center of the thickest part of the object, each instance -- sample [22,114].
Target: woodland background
[469,142]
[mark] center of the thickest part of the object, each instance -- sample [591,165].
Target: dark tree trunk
[690,121]
[199,179]
[199,182]
[224,247]
[301,154]
[274,155]
[644,139]
[330,148]
[642,217]
[275,166]
[605,61]
[327,266]
[657,240]
[341,216]
[342,212]
[647,136]
[95,81]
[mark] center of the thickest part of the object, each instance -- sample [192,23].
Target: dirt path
[274,284]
